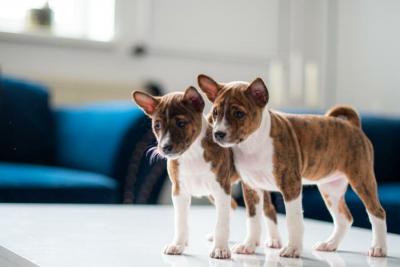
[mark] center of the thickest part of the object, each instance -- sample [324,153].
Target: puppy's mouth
[171,155]
[228,143]
[223,143]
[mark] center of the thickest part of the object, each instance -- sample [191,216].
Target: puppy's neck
[195,149]
[252,143]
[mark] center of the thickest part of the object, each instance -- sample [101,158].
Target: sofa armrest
[26,123]
[112,139]
[89,137]
[143,176]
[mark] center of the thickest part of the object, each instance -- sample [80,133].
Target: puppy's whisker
[154,154]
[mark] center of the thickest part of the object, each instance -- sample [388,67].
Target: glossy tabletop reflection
[97,235]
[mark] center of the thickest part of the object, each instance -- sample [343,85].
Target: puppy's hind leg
[333,195]
[366,189]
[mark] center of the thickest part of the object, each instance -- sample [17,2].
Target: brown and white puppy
[196,165]
[280,152]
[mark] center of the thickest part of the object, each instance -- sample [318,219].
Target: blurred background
[69,132]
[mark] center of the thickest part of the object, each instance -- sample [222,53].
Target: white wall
[310,52]
[368,55]
[230,40]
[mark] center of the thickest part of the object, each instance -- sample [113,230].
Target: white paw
[210,237]
[221,253]
[273,243]
[377,252]
[174,249]
[245,248]
[325,246]
[290,252]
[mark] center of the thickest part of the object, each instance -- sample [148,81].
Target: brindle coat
[317,146]
[308,146]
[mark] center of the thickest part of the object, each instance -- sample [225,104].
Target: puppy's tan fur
[196,165]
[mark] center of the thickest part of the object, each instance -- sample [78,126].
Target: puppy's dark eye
[181,124]
[157,125]
[215,112]
[238,114]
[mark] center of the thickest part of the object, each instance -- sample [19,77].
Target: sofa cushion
[26,126]
[89,137]
[34,183]
[384,134]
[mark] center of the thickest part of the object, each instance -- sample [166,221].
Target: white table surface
[97,235]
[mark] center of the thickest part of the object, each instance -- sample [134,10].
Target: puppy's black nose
[219,135]
[167,149]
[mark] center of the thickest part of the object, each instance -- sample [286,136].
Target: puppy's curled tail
[345,112]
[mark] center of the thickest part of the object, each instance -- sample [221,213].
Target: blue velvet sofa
[86,154]
[96,154]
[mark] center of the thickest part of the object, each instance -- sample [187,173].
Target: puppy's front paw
[273,243]
[245,248]
[221,253]
[290,252]
[325,246]
[174,249]
[377,252]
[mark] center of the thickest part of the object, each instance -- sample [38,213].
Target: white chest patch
[253,158]
[256,169]
[195,175]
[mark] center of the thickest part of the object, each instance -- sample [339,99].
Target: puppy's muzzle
[219,135]
[167,149]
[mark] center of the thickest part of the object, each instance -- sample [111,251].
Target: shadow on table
[271,259]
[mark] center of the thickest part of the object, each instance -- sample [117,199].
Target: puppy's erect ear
[193,97]
[147,102]
[208,86]
[258,92]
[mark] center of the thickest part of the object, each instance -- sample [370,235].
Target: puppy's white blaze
[378,232]
[221,126]
[166,139]
[294,220]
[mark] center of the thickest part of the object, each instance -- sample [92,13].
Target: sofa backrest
[26,124]
[89,137]
[384,133]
